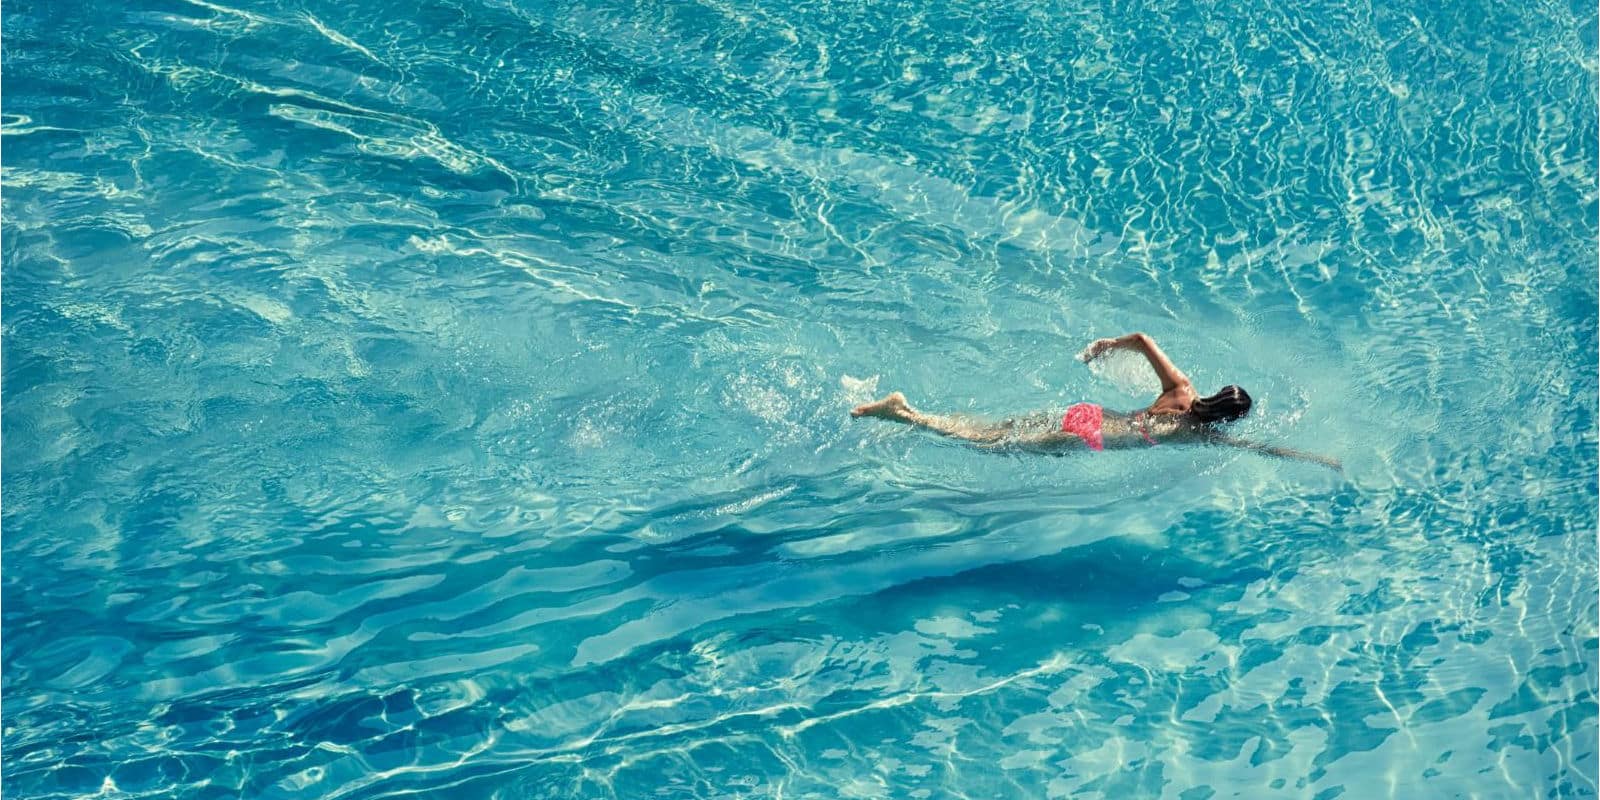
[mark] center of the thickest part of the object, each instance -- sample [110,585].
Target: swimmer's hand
[1172,378]
[1098,348]
[1276,452]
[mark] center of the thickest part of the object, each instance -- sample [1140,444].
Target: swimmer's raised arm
[1270,450]
[1171,376]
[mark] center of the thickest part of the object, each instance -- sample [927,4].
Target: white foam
[859,390]
[1127,371]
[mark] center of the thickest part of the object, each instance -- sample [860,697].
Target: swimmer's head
[1225,406]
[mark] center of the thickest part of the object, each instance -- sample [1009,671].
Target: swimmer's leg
[896,409]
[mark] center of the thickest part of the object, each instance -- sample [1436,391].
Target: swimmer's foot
[892,407]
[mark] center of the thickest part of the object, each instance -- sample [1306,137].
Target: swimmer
[1179,416]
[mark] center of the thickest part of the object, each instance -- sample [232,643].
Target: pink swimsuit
[1084,421]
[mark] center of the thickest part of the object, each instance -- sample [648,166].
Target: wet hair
[1225,406]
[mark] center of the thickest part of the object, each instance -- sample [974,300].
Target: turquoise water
[451,399]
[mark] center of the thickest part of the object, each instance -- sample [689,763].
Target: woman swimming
[1179,416]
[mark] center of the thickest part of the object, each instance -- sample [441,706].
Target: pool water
[451,399]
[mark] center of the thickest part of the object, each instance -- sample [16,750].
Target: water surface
[451,399]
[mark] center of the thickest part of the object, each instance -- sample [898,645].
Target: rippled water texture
[451,398]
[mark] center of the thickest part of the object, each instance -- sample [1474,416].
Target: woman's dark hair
[1225,406]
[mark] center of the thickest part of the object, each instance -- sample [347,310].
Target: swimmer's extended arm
[1171,376]
[1277,452]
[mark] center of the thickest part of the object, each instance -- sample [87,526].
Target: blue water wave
[452,399]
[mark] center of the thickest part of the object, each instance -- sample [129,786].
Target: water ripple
[453,400]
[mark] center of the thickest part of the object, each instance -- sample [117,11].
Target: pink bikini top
[1084,421]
